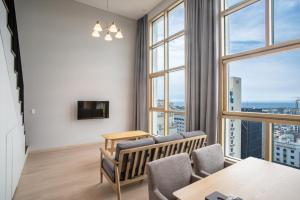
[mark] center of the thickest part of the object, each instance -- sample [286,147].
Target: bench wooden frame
[140,156]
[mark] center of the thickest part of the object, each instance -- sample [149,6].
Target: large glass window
[286,20]
[244,139]
[176,90]
[286,148]
[167,72]
[176,19]
[229,3]
[270,83]
[259,81]
[245,29]
[158,57]
[158,30]
[158,92]
[176,123]
[176,52]
[158,123]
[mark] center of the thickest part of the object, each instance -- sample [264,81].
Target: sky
[176,56]
[273,77]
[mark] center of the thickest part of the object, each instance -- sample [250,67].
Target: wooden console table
[128,135]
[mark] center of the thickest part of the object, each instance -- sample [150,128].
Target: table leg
[106,144]
[112,147]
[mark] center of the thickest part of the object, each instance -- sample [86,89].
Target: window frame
[164,73]
[269,48]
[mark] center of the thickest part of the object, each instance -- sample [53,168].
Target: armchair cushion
[208,160]
[109,168]
[192,134]
[162,139]
[168,175]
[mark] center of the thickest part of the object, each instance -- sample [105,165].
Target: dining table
[249,179]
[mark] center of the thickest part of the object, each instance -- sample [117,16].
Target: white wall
[62,64]
[12,139]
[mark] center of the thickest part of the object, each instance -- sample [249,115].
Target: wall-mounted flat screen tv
[92,109]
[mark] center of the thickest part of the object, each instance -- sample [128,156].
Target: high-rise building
[298,103]
[176,124]
[233,142]
[251,136]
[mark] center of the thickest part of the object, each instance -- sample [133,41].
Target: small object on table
[220,196]
[216,196]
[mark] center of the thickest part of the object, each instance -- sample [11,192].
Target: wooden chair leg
[101,176]
[101,173]
[118,186]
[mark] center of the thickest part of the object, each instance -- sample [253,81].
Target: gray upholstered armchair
[208,160]
[169,174]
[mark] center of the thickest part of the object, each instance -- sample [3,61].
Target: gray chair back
[168,175]
[209,159]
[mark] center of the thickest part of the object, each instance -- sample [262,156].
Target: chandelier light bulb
[119,34]
[113,28]
[97,27]
[96,34]
[108,37]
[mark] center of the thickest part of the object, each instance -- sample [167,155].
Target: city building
[287,150]
[233,127]
[251,137]
[176,124]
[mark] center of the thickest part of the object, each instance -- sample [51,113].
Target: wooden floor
[70,174]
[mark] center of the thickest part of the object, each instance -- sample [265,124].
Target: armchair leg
[101,176]
[101,173]
[119,192]
[118,185]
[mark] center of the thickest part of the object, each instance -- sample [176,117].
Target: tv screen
[92,109]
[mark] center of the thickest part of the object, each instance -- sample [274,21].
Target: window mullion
[166,93]
[269,22]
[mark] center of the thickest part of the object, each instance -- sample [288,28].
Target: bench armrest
[108,156]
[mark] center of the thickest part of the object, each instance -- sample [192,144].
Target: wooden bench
[131,164]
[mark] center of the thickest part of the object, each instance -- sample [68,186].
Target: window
[260,77]
[277,94]
[167,72]
[158,58]
[286,17]
[229,3]
[245,28]
[247,140]
[158,123]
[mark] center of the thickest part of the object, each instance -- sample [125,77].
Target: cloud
[269,78]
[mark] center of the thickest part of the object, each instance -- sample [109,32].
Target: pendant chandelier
[109,30]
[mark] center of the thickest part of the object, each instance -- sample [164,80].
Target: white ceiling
[133,9]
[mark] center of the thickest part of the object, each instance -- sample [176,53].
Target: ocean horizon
[268,105]
[259,105]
